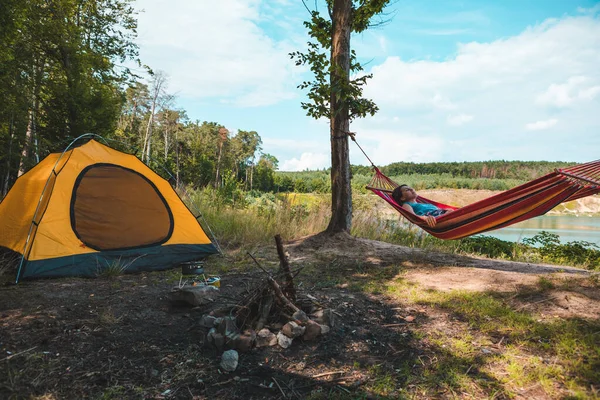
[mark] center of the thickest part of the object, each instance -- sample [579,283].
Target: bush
[550,249]
[489,246]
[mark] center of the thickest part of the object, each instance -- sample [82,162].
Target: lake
[569,227]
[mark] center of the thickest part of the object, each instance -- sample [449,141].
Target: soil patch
[121,338]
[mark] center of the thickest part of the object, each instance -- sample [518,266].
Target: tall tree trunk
[177,149]
[36,148]
[218,164]
[159,80]
[148,136]
[31,143]
[8,159]
[341,193]
[26,151]
[166,142]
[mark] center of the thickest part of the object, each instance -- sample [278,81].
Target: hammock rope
[520,203]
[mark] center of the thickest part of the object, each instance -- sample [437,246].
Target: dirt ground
[120,338]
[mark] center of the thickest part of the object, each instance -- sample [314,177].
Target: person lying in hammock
[405,196]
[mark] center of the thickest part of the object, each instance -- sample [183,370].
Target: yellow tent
[93,207]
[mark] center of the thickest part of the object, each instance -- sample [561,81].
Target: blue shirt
[422,208]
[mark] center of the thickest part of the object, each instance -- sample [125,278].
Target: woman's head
[403,193]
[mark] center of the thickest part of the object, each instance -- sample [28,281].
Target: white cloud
[541,125]
[218,50]
[546,73]
[458,120]
[592,10]
[576,88]
[306,161]
[291,144]
[385,146]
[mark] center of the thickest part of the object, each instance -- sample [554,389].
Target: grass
[489,345]
[558,355]
[298,215]
[260,221]
[114,268]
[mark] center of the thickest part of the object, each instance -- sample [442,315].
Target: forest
[71,68]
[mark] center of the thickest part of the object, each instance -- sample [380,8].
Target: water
[569,228]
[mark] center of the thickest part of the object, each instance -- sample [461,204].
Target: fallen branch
[17,354]
[327,374]
[334,380]
[531,304]
[264,313]
[280,389]
[284,265]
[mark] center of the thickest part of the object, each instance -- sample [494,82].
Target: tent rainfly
[91,208]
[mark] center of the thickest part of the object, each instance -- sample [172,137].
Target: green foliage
[500,169]
[488,246]
[544,247]
[231,191]
[320,182]
[113,268]
[550,249]
[59,76]
[258,217]
[330,77]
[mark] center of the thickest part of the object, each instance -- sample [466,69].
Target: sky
[460,80]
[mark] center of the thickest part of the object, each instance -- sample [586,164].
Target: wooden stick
[327,374]
[280,389]
[281,296]
[264,313]
[531,304]
[19,353]
[334,380]
[284,265]
[276,288]
[259,266]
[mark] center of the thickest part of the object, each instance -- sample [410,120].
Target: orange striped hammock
[503,209]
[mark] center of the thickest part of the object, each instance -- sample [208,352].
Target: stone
[325,329]
[300,316]
[216,339]
[325,317]
[313,330]
[229,360]
[227,326]
[265,338]
[210,336]
[244,342]
[283,340]
[193,295]
[292,330]
[207,321]
[276,326]
[219,341]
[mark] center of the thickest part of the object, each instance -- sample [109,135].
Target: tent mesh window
[115,208]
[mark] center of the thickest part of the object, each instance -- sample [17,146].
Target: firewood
[264,312]
[284,266]
[276,288]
